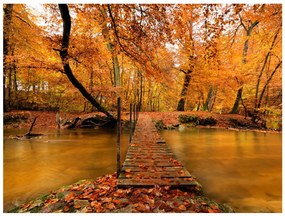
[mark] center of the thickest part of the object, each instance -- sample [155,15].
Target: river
[242,169]
[39,165]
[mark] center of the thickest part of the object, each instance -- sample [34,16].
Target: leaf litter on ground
[103,195]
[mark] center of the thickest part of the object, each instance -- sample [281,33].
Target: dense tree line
[217,58]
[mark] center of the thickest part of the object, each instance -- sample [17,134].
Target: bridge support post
[118,136]
[135,117]
[131,122]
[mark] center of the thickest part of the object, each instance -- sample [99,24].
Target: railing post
[137,113]
[131,122]
[134,108]
[118,136]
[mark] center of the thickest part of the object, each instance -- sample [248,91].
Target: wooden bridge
[150,161]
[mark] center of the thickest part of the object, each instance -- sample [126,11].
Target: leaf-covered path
[102,195]
[150,162]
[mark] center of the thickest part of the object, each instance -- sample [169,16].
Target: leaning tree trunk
[237,101]
[64,58]
[181,103]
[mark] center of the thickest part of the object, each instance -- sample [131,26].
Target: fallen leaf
[95,204]
[26,206]
[150,190]
[111,206]
[65,208]
[106,199]
[69,197]
[142,207]
[77,206]
[129,190]
[213,211]
[116,201]
[128,170]
[182,208]
[76,188]
[167,188]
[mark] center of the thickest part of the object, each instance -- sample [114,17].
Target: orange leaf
[106,199]
[69,197]
[182,208]
[111,206]
[77,206]
[167,188]
[117,201]
[65,208]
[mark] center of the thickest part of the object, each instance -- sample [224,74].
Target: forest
[220,58]
[97,84]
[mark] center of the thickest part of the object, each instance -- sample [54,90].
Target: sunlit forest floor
[165,120]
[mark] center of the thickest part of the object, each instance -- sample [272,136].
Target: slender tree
[248,30]
[7,26]
[67,69]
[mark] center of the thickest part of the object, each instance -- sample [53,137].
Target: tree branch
[117,35]
[20,18]
[267,83]
[241,22]
[235,33]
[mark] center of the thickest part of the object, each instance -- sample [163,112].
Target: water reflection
[243,169]
[36,166]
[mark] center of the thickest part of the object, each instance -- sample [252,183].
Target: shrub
[159,125]
[236,122]
[187,119]
[11,118]
[208,121]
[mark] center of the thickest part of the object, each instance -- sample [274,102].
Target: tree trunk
[181,103]
[267,83]
[266,60]
[238,98]
[64,58]
[244,54]
[15,85]
[245,47]
[209,101]
[7,25]
[140,77]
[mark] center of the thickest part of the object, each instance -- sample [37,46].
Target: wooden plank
[161,182]
[162,164]
[149,161]
[153,169]
[145,175]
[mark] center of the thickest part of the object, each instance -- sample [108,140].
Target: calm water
[242,169]
[37,166]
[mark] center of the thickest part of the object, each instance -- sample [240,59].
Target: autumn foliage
[220,58]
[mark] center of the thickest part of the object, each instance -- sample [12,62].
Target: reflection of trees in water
[238,143]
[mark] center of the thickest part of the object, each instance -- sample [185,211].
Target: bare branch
[235,33]
[20,18]
[241,22]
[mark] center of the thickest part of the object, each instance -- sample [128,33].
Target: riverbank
[102,195]
[169,120]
